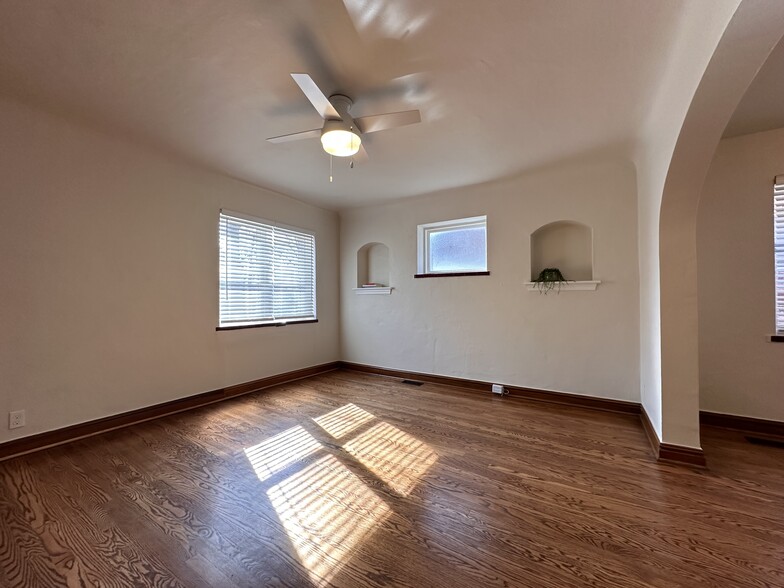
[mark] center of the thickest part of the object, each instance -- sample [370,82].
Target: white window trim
[423,242]
[273,322]
[265,221]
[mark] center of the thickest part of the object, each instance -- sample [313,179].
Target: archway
[754,30]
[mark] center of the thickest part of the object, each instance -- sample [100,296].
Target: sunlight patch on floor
[327,512]
[396,457]
[278,452]
[343,420]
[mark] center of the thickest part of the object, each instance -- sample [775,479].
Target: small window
[455,246]
[267,272]
[778,250]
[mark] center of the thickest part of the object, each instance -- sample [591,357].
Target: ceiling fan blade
[312,134]
[361,156]
[381,122]
[317,98]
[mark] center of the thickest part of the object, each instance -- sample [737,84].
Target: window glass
[267,272]
[462,249]
[453,246]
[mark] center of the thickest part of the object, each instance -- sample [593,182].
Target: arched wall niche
[565,244]
[373,264]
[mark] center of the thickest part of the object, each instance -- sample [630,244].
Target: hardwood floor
[351,480]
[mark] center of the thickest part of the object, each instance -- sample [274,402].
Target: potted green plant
[550,278]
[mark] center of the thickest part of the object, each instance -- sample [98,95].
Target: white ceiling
[503,86]
[762,107]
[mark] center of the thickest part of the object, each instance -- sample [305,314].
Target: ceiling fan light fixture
[339,140]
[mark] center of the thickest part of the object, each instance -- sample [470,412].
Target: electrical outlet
[498,389]
[16,419]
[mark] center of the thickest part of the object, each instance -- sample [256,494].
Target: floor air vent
[413,382]
[763,441]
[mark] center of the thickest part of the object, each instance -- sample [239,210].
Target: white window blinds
[267,271]
[778,249]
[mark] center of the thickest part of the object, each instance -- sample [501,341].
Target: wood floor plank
[195,530]
[353,480]
[84,550]
[23,559]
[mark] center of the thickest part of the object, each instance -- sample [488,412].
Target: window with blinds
[267,272]
[778,249]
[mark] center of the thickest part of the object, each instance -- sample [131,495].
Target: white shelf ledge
[375,290]
[571,285]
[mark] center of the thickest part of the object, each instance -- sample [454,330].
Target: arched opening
[751,34]
[566,245]
[373,265]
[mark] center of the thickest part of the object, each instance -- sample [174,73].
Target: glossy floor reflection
[520,494]
[396,457]
[280,451]
[343,420]
[326,510]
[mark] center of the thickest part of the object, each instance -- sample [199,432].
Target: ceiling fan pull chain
[330,169]
[354,147]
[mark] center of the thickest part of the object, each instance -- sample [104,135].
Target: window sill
[258,325]
[452,275]
[583,285]
[375,290]
[777,338]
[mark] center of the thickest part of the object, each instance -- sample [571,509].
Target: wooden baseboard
[744,424]
[32,443]
[592,402]
[650,432]
[682,455]
[664,452]
[516,392]
[669,453]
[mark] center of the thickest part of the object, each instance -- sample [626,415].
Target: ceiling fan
[341,135]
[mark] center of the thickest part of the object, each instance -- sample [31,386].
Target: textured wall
[492,328]
[110,263]
[741,371]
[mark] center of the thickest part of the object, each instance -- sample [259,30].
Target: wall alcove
[373,269]
[567,245]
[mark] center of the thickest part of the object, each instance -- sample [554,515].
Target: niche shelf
[567,245]
[374,290]
[576,285]
[373,268]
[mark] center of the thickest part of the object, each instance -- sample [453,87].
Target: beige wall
[109,290]
[492,328]
[741,372]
